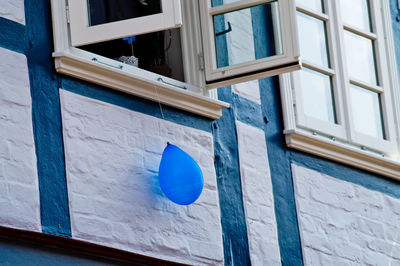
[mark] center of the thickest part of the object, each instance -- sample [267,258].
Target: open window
[245,40]
[93,21]
[154,48]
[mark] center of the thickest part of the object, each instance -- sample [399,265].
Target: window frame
[82,33]
[288,61]
[352,148]
[79,64]
[195,98]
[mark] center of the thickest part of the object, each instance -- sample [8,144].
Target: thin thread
[394,244]
[159,103]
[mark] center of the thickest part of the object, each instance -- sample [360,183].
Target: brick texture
[112,158]
[19,191]
[258,196]
[345,224]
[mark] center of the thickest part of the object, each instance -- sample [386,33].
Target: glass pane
[366,112]
[158,52]
[317,96]
[105,11]
[360,57]
[312,4]
[356,13]
[247,34]
[222,2]
[312,39]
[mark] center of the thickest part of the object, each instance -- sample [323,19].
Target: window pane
[247,34]
[366,112]
[360,57]
[317,96]
[312,4]
[105,11]
[356,13]
[312,39]
[158,52]
[222,2]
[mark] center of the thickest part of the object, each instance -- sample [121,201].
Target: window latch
[94,59]
[171,84]
[67,14]
[229,29]
[201,61]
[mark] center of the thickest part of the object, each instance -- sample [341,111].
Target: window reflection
[222,2]
[313,46]
[236,37]
[366,112]
[317,96]
[315,5]
[106,11]
[356,13]
[360,58]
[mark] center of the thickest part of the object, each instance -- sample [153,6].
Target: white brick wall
[112,157]
[345,224]
[249,90]
[19,190]
[257,196]
[13,10]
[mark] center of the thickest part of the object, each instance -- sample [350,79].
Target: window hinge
[67,14]
[201,61]
[293,96]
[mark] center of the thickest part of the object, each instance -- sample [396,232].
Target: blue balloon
[180,176]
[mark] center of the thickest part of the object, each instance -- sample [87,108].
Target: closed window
[343,102]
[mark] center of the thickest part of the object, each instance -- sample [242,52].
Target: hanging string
[159,102]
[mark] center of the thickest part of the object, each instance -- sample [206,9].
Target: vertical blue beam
[234,231]
[46,117]
[281,174]
[279,162]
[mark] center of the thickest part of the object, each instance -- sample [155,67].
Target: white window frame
[195,98]
[82,34]
[132,80]
[288,61]
[340,142]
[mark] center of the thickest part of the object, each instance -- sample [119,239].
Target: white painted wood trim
[192,49]
[348,151]
[77,63]
[393,73]
[82,33]
[60,25]
[343,153]
[235,6]
[273,65]
[83,68]
[287,100]
[249,77]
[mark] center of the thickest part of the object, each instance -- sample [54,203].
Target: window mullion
[315,67]
[380,53]
[312,66]
[312,13]
[342,73]
[336,65]
[333,44]
[369,35]
[394,80]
